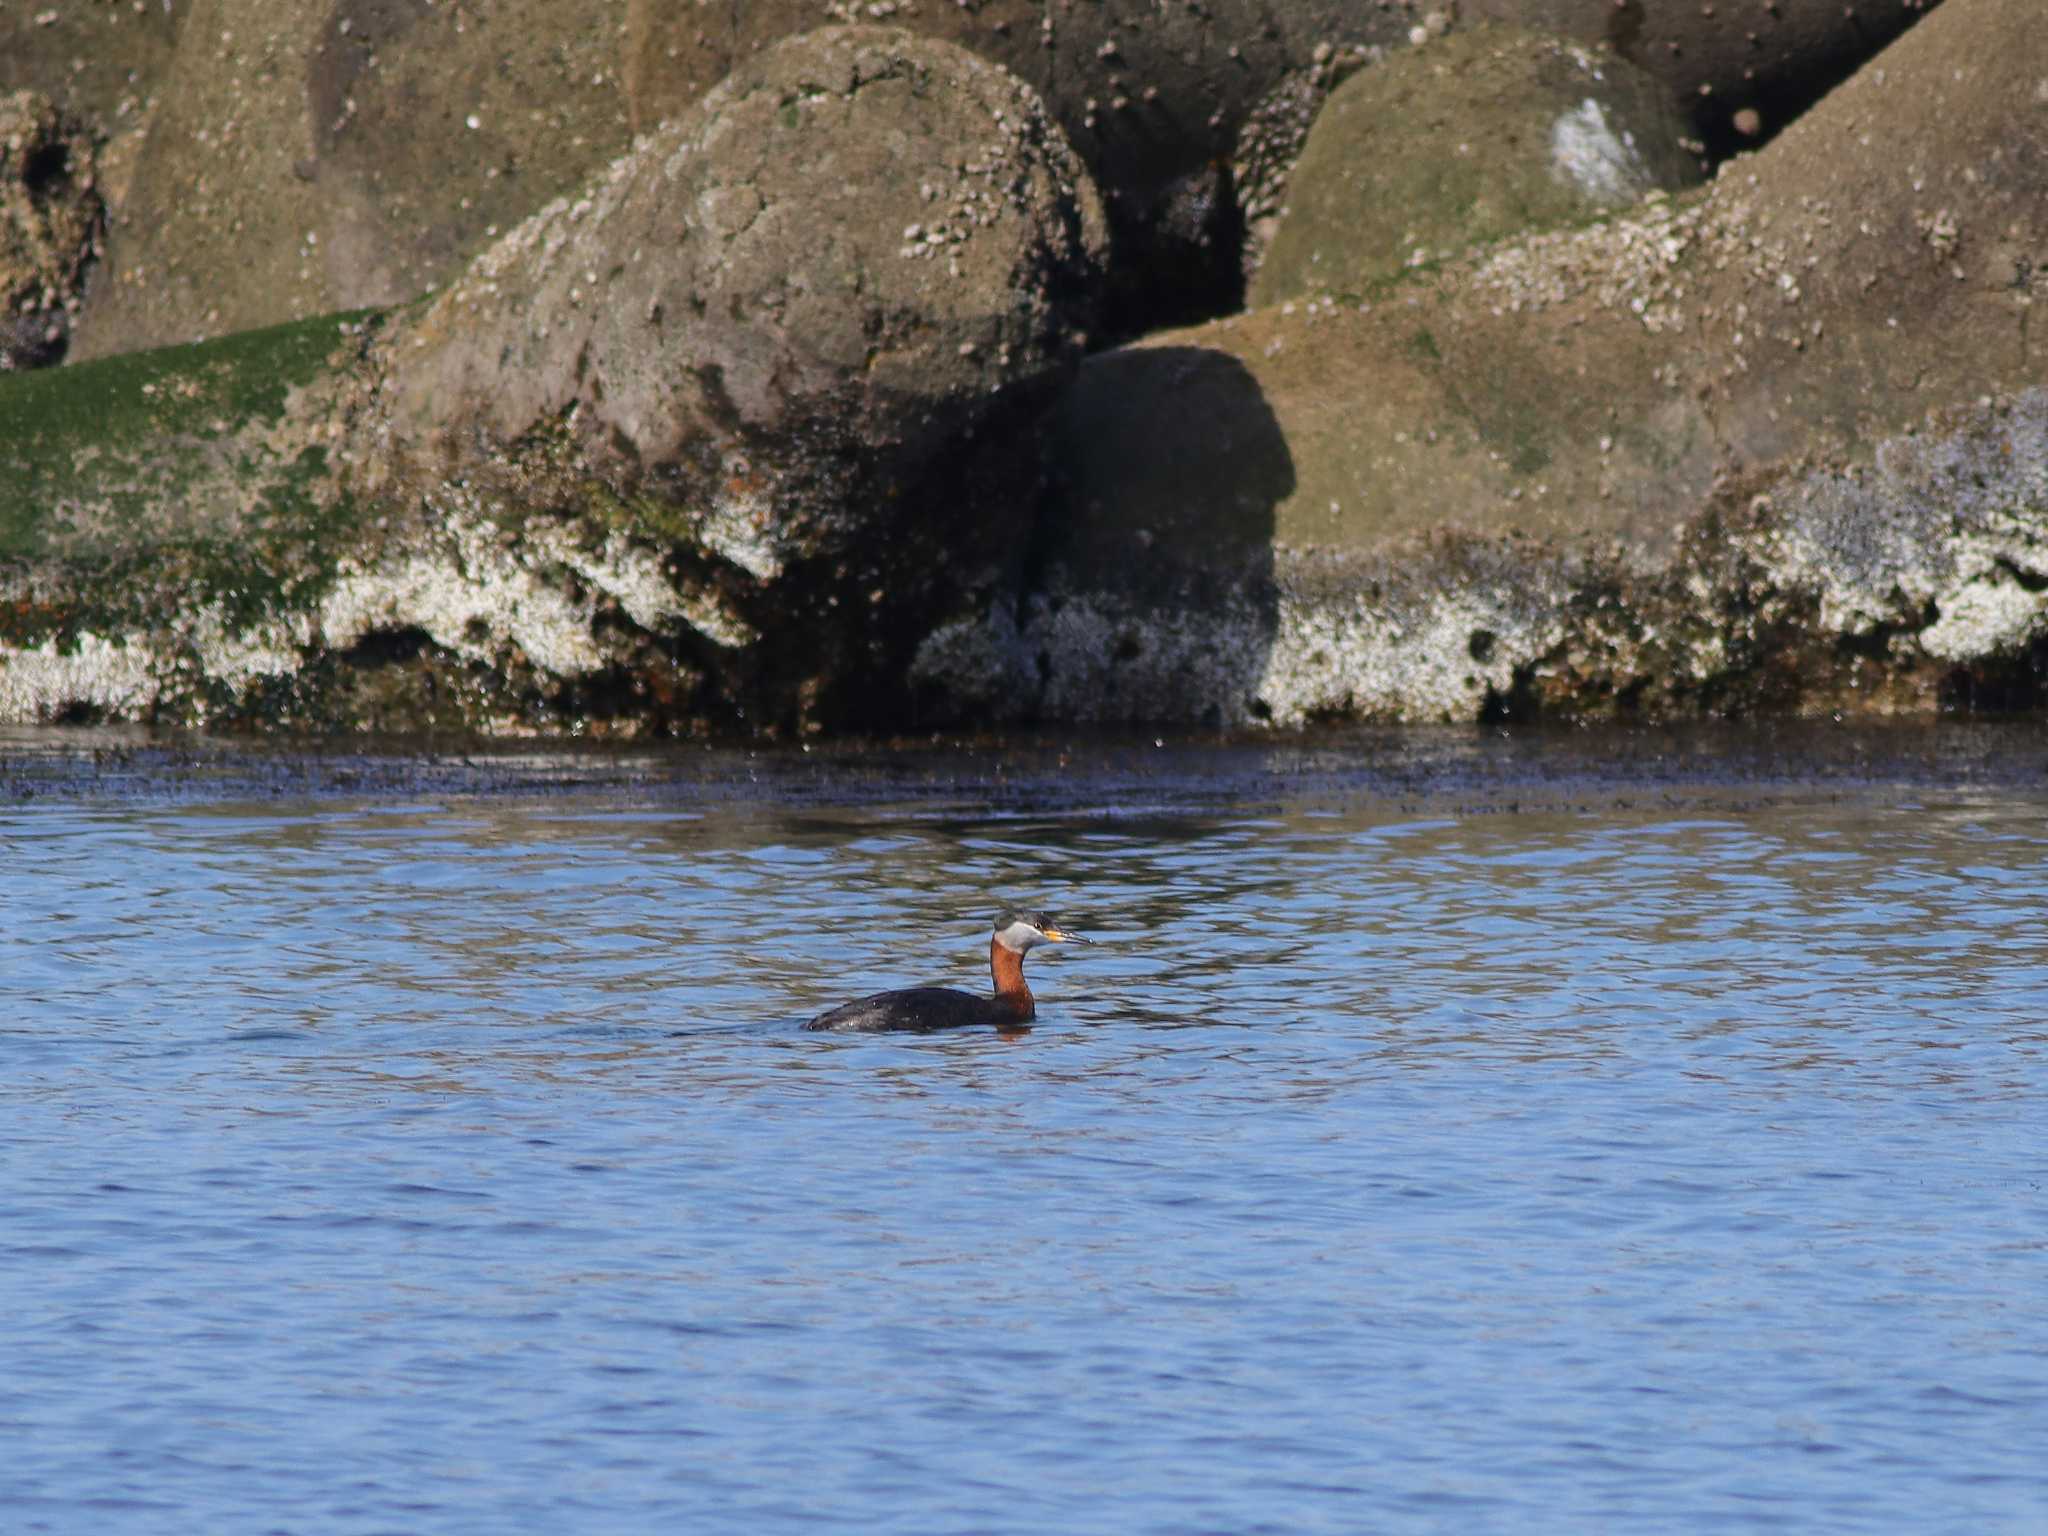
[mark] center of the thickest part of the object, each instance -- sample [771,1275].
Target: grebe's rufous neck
[942,1007]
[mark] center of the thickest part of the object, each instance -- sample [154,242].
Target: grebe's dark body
[1016,934]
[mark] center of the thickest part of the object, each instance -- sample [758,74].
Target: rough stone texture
[97,60]
[154,513]
[1163,102]
[1940,543]
[1072,50]
[1770,58]
[1270,140]
[321,150]
[859,223]
[688,449]
[1914,583]
[1561,418]
[328,154]
[1151,97]
[179,543]
[49,218]
[1680,460]
[771,322]
[1483,135]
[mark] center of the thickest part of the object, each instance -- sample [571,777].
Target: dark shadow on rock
[1152,579]
[1178,254]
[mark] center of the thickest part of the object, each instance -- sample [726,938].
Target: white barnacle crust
[1991,616]
[1106,659]
[472,595]
[237,657]
[1939,545]
[979,663]
[1329,634]
[633,576]
[45,682]
[1337,650]
[1953,522]
[535,599]
[740,528]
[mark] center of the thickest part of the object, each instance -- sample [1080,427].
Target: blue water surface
[453,1162]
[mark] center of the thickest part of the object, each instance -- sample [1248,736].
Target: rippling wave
[451,1163]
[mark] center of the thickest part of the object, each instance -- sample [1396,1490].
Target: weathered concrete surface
[315,155]
[1482,135]
[692,448]
[49,219]
[1457,469]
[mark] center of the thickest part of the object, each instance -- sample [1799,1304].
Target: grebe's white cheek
[1018,936]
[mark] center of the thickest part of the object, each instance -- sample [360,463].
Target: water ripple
[456,1165]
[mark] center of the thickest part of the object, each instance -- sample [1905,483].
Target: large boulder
[1151,96]
[1486,134]
[330,153]
[316,155]
[49,219]
[860,233]
[1615,464]
[1172,105]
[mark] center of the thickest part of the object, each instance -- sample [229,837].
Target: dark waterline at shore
[1477,764]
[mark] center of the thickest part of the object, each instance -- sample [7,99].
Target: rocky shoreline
[793,410]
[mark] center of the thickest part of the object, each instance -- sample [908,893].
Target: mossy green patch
[178,493]
[136,447]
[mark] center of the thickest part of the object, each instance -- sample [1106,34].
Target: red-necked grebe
[944,1008]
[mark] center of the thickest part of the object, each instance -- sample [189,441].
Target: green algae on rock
[161,515]
[182,541]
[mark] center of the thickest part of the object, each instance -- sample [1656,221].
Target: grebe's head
[1021,930]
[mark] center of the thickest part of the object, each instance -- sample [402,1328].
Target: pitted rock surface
[797,338]
[1617,466]
[1169,105]
[49,223]
[861,232]
[305,156]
